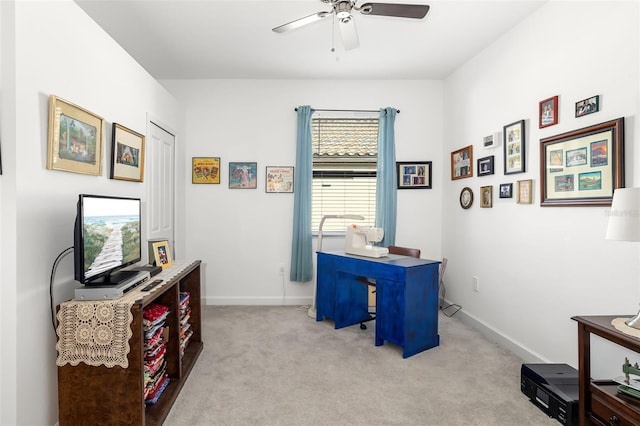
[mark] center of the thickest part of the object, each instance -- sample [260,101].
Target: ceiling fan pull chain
[333,34]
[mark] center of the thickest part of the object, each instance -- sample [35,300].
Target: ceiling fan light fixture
[343,10]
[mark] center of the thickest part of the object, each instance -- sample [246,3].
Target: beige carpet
[273,365]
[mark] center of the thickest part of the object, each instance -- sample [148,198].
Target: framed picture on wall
[127,154]
[462,163]
[243,175]
[506,190]
[548,112]
[486,196]
[414,175]
[485,166]
[75,138]
[582,167]
[524,191]
[205,170]
[514,148]
[588,106]
[279,179]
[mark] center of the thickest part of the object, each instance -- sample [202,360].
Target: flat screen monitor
[107,238]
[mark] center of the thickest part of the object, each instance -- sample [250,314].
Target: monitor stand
[109,292]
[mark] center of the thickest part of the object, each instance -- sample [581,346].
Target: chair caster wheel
[363,327]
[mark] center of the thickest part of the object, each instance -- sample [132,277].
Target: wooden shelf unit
[599,401]
[115,396]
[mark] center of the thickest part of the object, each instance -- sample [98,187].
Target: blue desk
[406,297]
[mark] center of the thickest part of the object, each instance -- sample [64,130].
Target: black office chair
[404,251]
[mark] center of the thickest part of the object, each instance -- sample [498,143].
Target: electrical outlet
[281,269]
[476,284]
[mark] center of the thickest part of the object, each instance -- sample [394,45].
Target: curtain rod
[348,110]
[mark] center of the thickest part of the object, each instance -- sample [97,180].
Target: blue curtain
[301,244]
[386,180]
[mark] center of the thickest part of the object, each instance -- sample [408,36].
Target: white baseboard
[493,335]
[259,301]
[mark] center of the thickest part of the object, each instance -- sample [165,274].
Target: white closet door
[160,159]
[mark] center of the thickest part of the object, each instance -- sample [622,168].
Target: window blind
[344,170]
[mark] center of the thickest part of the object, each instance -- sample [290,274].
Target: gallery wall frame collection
[578,168]
[414,175]
[242,175]
[75,141]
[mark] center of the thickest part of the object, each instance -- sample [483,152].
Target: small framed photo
[524,191]
[127,154]
[414,175]
[243,175]
[462,163]
[548,112]
[485,166]
[486,196]
[162,254]
[506,190]
[75,138]
[205,170]
[514,148]
[588,106]
[279,179]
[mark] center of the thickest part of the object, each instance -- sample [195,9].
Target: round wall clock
[466,197]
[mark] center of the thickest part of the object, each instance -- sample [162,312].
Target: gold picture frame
[127,154]
[486,196]
[162,254]
[524,191]
[75,138]
[205,170]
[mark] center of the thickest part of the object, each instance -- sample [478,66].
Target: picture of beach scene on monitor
[111,231]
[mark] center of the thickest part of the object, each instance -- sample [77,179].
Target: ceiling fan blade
[348,33]
[301,22]
[416,11]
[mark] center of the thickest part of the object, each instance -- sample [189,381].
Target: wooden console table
[99,394]
[599,401]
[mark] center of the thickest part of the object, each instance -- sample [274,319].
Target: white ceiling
[185,39]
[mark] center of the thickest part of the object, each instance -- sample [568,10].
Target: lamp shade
[624,218]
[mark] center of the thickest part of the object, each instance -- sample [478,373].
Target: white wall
[245,235]
[540,266]
[8,325]
[59,50]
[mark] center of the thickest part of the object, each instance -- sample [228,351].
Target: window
[345,152]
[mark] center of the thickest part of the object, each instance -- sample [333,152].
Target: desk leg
[584,373]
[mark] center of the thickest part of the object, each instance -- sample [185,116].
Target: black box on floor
[553,388]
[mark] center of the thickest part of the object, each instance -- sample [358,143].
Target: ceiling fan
[342,9]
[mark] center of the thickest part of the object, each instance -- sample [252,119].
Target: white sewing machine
[360,240]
